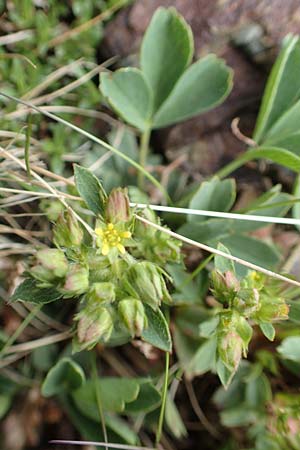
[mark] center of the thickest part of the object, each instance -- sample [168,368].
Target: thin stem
[198,269]
[232,166]
[144,149]
[98,398]
[19,330]
[163,400]
[198,411]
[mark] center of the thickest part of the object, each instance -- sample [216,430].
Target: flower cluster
[108,274]
[242,304]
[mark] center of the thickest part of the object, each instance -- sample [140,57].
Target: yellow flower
[110,237]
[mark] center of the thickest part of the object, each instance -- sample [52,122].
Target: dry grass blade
[219,214]
[12,38]
[86,25]
[17,56]
[62,91]
[93,138]
[220,253]
[103,444]
[31,345]
[54,76]
[17,136]
[51,189]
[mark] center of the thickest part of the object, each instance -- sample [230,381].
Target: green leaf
[210,231]
[286,125]
[114,392]
[148,399]
[43,358]
[127,144]
[244,330]
[238,417]
[213,195]
[290,142]
[166,51]
[282,88]
[28,291]
[117,429]
[290,348]
[173,419]
[157,332]
[90,189]
[276,155]
[208,327]
[185,346]
[5,404]
[282,203]
[296,207]
[129,94]
[252,250]
[121,428]
[204,359]
[65,376]
[294,312]
[225,375]
[88,428]
[224,264]
[268,330]
[204,85]
[258,392]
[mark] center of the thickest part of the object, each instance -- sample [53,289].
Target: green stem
[232,166]
[20,329]
[98,398]
[195,272]
[144,149]
[163,401]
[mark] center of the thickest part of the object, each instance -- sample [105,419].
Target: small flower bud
[101,293]
[77,281]
[144,280]
[272,310]
[230,348]
[224,286]
[52,208]
[93,326]
[133,315]
[247,301]
[67,231]
[152,244]
[117,207]
[51,264]
[231,281]
[144,230]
